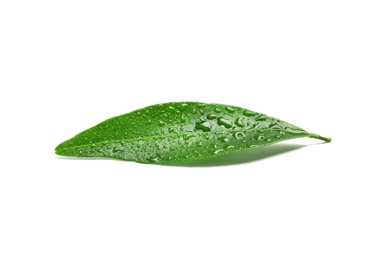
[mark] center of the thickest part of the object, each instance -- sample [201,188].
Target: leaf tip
[326,139]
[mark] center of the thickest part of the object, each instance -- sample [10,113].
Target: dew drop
[260,138]
[200,143]
[239,135]
[217,110]
[249,113]
[203,126]
[239,122]
[215,146]
[275,126]
[171,130]
[152,160]
[184,105]
[252,146]
[230,109]
[261,118]
[160,123]
[211,116]
[171,107]
[269,140]
[187,137]
[230,147]
[218,151]
[202,105]
[226,140]
[226,123]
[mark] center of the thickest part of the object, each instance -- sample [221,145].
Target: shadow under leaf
[242,157]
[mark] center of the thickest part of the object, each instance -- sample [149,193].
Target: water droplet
[152,160]
[218,151]
[226,123]
[226,140]
[211,116]
[203,126]
[275,126]
[184,104]
[171,130]
[202,105]
[239,122]
[261,118]
[187,137]
[230,109]
[200,143]
[215,146]
[230,147]
[161,123]
[260,138]
[217,110]
[269,140]
[193,111]
[170,107]
[249,113]
[252,146]
[239,135]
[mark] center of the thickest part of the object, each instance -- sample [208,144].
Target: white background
[322,65]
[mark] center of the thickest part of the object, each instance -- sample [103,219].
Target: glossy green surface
[180,131]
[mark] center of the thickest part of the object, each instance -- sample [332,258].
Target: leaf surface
[180,131]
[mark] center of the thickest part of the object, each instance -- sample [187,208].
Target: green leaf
[180,131]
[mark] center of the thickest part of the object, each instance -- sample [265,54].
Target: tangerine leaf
[180,131]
